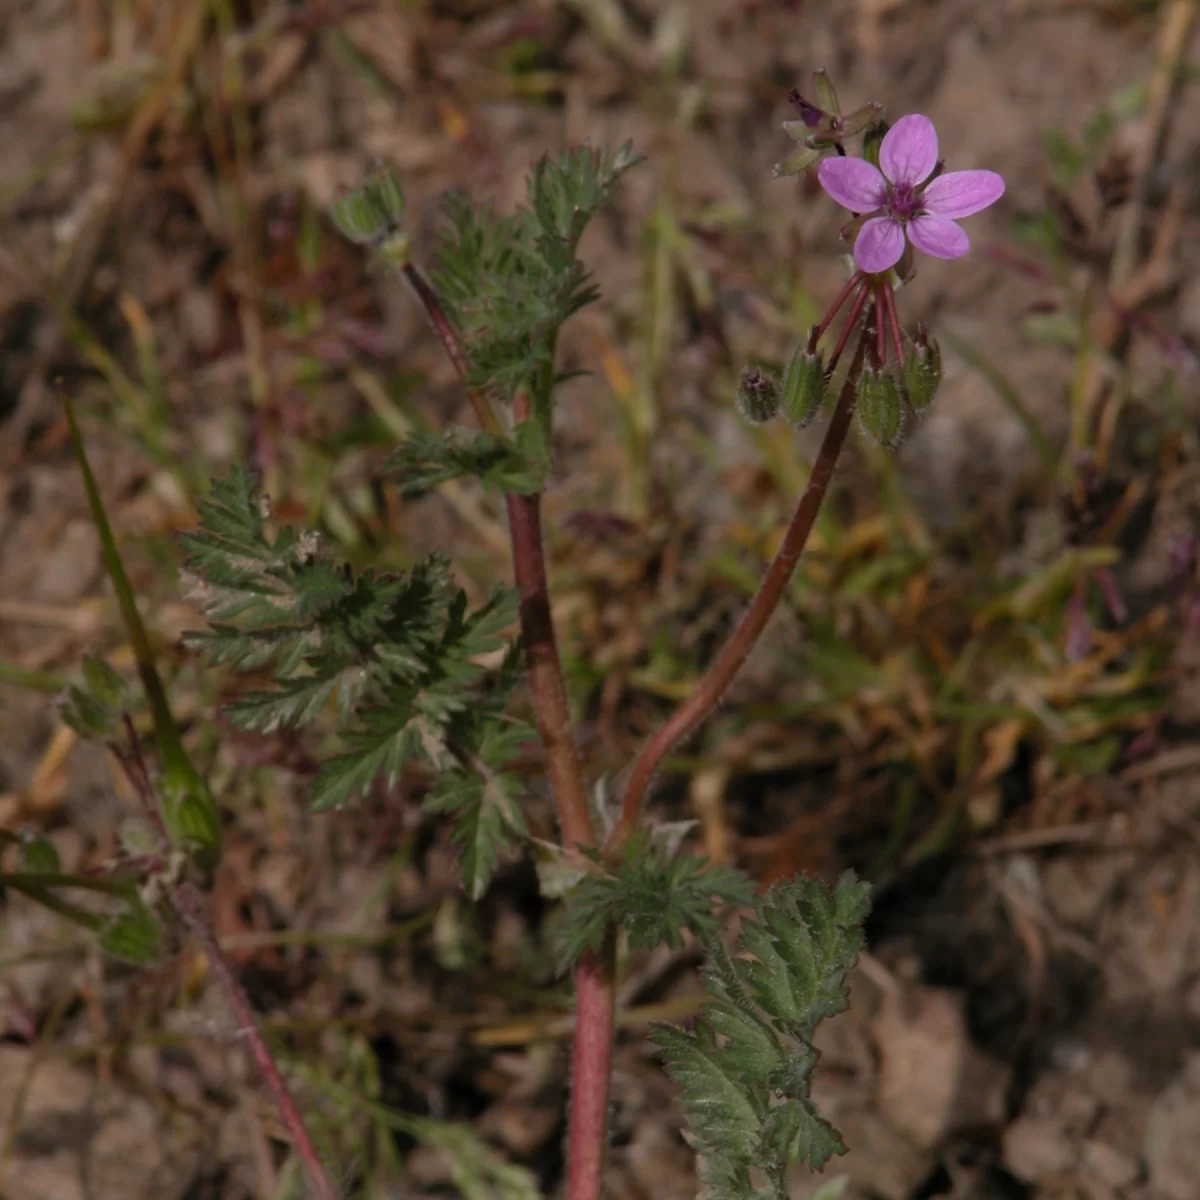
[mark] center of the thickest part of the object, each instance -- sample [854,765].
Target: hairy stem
[427,295]
[591,1056]
[190,907]
[594,989]
[688,717]
[591,1072]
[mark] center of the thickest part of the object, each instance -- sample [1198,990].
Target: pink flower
[900,202]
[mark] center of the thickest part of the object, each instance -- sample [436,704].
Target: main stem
[734,653]
[595,1012]
[591,1067]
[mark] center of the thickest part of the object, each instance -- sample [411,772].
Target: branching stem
[734,653]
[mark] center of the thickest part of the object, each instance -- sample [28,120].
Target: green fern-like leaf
[745,1070]
[398,656]
[651,895]
[423,461]
[509,283]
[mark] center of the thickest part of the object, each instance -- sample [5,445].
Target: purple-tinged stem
[190,907]
[687,718]
[889,299]
[851,321]
[880,343]
[843,296]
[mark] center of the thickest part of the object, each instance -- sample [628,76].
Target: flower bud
[810,115]
[872,137]
[826,96]
[879,409]
[371,210]
[922,370]
[803,388]
[757,396]
[799,160]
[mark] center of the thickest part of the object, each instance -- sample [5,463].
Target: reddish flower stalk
[688,717]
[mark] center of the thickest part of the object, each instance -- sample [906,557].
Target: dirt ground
[1027,1022]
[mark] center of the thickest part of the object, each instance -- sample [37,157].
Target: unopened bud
[803,388]
[757,396]
[799,160]
[371,210]
[879,409]
[922,370]
[810,115]
[826,96]
[872,137]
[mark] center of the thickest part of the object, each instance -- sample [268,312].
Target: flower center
[903,202]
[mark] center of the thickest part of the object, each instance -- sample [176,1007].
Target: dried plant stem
[190,907]
[734,653]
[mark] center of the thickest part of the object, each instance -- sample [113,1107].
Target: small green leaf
[134,934]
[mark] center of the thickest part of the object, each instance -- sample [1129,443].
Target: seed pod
[803,388]
[922,370]
[757,396]
[879,410]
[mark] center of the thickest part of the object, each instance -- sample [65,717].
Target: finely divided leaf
[752,1050]
[398,656]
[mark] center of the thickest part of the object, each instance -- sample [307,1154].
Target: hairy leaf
[745,1070]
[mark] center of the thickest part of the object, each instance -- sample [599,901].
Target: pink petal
[909,150]
[854,183]
[939,237]
[879,246]
[962,193]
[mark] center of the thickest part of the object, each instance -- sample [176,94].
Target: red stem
[594,991]
[190,907]
[734,653]
[880,343]
[836,306]
[448,336]
[591,1073]
[851,321]
[889,298]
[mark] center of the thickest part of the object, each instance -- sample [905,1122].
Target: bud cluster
[372,213]
[822,126]
[798,398]
[885,397]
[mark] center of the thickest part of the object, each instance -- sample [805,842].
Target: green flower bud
[372,210]
[922,370]
[879,410]
[872,137]
[799,160]
[389,194]
[757,396]
[826,96]
[803,387]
